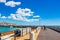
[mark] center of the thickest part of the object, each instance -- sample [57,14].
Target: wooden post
[0,36]
[26,30]
[14,35]
[22,31]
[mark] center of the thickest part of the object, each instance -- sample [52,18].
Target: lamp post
[38,23]
[29,28]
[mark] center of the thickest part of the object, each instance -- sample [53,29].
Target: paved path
[48,35]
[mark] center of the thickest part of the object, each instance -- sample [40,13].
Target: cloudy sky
[33,12]
[18,12]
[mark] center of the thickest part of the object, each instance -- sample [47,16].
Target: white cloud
[3,1]
[0,14]
[34,19]
[21,15]
[9,17]
[3,17]
[13,16]
[30,20]
[12,3]
[24,12]
[37,16]
[25,19]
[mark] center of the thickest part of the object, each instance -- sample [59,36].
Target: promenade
[48,35]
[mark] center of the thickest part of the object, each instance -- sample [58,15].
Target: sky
[30,12]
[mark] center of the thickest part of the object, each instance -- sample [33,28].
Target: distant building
[7,24]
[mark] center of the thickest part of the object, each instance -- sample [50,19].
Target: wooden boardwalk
[48,35]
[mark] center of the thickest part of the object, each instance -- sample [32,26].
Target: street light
[38,22]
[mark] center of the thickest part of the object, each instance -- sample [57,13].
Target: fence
[19,32]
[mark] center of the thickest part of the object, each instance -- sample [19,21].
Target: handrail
[11,36]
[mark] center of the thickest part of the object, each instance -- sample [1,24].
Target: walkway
[48,35]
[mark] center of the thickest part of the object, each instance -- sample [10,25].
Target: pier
[48,34]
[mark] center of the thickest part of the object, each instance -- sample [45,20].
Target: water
[56,26]
[6,29]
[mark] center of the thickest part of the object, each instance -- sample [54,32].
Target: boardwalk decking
[48,35]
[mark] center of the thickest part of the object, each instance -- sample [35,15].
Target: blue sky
[47,11]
